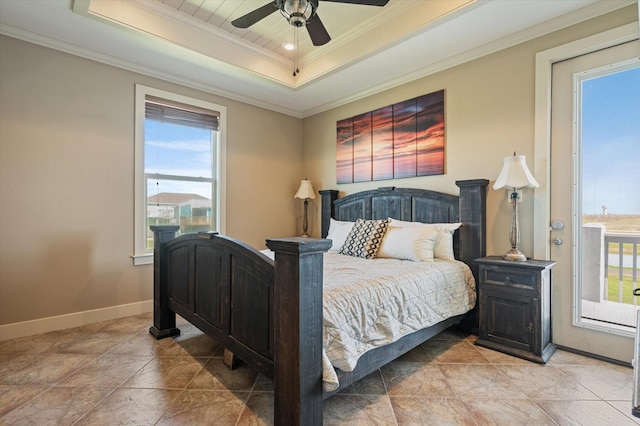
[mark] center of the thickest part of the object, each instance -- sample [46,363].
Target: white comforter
[369,303]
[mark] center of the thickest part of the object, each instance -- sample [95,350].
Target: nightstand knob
[530,328]
[507,281]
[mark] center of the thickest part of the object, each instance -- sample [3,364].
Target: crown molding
[224,78]
[588,12]
[82,52]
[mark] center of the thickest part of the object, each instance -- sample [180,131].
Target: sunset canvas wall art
[397,141]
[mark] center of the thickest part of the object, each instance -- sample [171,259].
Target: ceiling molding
[141,69]
[156,8]
[54,25]
[153,20]
[584,14]
[393,23]
[413,18]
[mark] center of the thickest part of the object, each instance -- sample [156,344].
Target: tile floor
[114,373]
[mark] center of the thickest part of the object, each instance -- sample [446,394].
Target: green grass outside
[615,248]
[628,224]
[627,287]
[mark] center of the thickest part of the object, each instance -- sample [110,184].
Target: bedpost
[473,233]
[328,197]
[164,320]
[297,330]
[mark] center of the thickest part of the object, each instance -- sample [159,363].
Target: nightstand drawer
[522,280]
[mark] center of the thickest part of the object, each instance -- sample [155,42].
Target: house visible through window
[178,166]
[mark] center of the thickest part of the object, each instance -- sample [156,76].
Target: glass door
[608,101]
[595,167]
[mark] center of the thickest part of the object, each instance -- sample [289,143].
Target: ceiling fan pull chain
[295,54]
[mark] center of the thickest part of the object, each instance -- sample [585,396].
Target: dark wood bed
[269,313]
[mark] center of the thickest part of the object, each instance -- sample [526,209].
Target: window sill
[143,259]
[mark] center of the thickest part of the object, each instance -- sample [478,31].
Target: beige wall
[66,165]
[489,114]
[66,181]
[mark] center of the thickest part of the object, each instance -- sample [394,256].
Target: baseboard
[594,356]
[76,319]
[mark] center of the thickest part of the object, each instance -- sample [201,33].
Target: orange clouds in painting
[382,143]
[344,151]
[398,141]
[362,148]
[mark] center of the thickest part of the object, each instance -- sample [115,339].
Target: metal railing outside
[624,263]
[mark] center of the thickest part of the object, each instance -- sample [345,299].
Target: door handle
[557,241]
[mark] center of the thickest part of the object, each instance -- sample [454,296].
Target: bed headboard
[409,204]
[420,205]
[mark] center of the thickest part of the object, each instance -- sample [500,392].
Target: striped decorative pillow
[365,238]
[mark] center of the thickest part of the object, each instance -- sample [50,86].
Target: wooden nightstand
[515,307]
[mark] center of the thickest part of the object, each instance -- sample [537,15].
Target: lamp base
[515,255]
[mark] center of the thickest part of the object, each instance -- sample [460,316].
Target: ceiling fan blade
[363,2]
[317,31]
[252,17]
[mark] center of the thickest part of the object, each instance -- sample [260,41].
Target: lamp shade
[515,174]
[305,190]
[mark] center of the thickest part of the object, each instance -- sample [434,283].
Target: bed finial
[328,210]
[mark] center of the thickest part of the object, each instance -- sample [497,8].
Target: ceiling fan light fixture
[297,20]
[297,12]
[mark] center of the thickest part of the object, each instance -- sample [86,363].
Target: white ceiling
[193,43]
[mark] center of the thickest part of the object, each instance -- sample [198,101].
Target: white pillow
[408,243]
[338,231]
[443,248]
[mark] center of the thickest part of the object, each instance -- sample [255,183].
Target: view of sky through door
[611,143]
[609,149]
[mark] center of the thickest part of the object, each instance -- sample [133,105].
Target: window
[179,166]
[608,99]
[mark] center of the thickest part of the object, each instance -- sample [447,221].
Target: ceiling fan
[299,13]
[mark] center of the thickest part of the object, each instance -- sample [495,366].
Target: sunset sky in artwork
[362,148]
[404,139]
[382,142]
[397,141]
[344,151]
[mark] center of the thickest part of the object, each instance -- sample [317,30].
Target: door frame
[542,170]
[542,133]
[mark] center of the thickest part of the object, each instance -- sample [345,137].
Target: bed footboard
[298,330]
[231,292]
